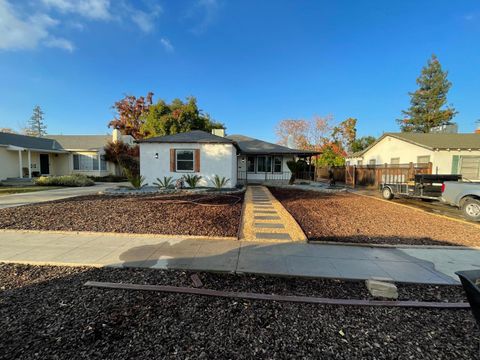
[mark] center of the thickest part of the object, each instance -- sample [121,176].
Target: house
[236,157]
[449,153]
[24,156]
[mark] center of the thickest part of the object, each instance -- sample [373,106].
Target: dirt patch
[207,215]
[346,217]
[45,312]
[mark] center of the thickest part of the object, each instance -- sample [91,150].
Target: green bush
[135,179]
[192,180]
[65,180]
[220,182]
[108,178]
[166,183]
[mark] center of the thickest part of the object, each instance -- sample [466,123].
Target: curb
[393,246]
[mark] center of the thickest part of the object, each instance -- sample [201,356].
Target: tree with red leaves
[131,113]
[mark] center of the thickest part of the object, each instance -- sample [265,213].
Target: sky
[249,63]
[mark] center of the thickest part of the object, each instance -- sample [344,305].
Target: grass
[7,190]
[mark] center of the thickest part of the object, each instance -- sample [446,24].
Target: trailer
[422,186]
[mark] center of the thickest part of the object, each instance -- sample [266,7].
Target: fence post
[430,166]
[411,171]
[354,180]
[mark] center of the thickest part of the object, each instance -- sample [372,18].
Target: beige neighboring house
[448,153]
[24,156]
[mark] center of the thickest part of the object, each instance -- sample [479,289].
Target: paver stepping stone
[270,225]
[273,236]
[264,211]
[266,217]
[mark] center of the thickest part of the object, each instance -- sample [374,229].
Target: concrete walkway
[50,195]
[265,219]
[282,258]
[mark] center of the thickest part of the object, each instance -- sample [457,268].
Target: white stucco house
[449,153]
[24,156]
[236,157]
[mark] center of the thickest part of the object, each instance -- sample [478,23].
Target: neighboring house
[448,153]
[28,156]
[236,157]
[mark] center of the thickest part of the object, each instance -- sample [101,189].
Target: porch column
[99,162]
[29,164]
[20,164]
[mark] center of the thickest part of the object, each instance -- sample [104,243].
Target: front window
[264,164]
[395,161]
[359,162]
[103,163]
[184,160]
[277,164]
[423,159]
[372,162]
[85,162]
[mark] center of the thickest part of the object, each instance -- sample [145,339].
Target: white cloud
[93,9]
[145,20]
[206,11]
[17,33]
[167,45]
[60,43]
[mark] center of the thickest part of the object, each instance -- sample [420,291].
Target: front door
[44,164]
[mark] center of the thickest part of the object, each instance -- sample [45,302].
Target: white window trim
[193,161]
[273,164]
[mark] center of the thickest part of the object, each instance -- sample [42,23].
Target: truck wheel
[387,193]
[471,209]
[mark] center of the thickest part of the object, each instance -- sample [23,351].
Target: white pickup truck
[464,195]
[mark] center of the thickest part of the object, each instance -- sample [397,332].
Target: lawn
[46,312]
[7,190]
[205,215]
[346,217]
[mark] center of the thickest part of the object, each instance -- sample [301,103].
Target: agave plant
[220,182]
[136,180]
[166,183]
[192,180]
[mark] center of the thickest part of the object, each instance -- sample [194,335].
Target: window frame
[423,156]
[193,160]
[372,162]
[460,166]
[279,157]
[91,160]
[396,163]
[266,157]
[254,164]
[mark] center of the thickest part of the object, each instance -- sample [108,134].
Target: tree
[362,143]
[36,125]
[176,117]
[427,103]
[344,134]
[8,130]
[131,112]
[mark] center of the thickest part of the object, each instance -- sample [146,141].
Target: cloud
[205,11]
[92,9]
[167,45]
[60,43]
[17,33]
[145,20]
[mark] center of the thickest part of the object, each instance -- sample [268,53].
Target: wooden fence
[373,175]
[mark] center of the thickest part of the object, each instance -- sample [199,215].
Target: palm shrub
[220,182]
[166,183]
[192,180]
[135,179]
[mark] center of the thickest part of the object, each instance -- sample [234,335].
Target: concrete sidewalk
[292,259]
[50,195]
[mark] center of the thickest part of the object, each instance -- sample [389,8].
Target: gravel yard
[161,214]
[45,312]
[346,217]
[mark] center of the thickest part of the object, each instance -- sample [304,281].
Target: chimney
[116,135]
[219,132]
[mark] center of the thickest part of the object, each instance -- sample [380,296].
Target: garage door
[470,167]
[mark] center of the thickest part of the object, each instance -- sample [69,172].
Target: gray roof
[432,141]
[30,142]
[250,145]
[195,136]
[82,142]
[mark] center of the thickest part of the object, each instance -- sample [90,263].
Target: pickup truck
[464,195]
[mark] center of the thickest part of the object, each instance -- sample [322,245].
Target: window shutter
[455,161]
[172,160]
[197,160]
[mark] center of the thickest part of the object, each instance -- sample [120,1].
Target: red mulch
[161,214]
[346,217]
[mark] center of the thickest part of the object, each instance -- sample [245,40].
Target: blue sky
[249,63]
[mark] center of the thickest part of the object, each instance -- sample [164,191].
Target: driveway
[50,195]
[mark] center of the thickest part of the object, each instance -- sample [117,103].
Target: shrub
[220,182]
[108,178]
[295,167]
[192,180]
[65,180]
[135,179]
[166,183]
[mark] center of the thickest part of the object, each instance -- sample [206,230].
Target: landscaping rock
[382,289]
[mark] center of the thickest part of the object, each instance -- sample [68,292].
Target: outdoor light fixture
[156,155]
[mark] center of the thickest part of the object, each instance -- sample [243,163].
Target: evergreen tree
[36,125]
[427,103]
